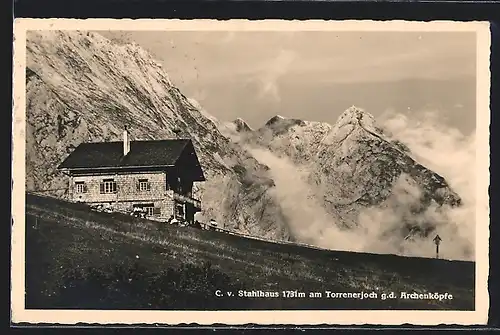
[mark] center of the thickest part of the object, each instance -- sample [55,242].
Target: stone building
[154,176]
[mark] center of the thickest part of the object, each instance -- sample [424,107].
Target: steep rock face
[363,166]
[81,87]
[296,139]
[354,165]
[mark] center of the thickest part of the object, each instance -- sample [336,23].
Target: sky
[315,76]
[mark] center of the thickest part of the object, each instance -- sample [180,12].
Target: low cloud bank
[451,154]
[308,221]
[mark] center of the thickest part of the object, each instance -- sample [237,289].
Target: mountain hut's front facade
[155,177]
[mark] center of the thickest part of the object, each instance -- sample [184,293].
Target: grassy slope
[69,236]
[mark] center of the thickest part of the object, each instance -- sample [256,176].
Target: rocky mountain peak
[242,125]
[356,143]
[275,119]
[355,112]
[279,124]
[358,117]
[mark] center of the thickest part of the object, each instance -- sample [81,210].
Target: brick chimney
[126,142]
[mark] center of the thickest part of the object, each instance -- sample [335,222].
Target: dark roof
[110,154]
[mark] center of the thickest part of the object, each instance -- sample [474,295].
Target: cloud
[271,71]
[451,154]
[308,221]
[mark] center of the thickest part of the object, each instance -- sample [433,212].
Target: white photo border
[19,314]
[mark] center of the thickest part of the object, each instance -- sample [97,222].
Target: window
[149,210]
[144,185]
[108,186]
[80,187]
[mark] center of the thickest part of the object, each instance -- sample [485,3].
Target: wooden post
[70,188]
[116,187]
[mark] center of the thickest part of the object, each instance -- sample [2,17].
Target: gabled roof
[110,154]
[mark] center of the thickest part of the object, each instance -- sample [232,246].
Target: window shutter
[138,186]
[148,186]
[85,188]
[101,188]
[115,187]
[157,211]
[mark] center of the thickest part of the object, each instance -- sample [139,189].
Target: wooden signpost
[437,240]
